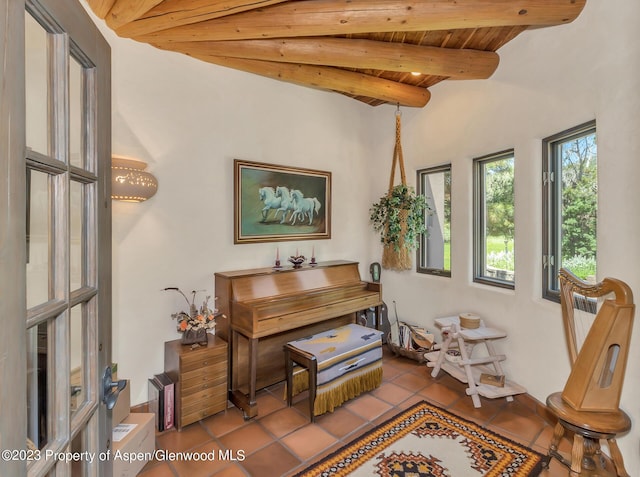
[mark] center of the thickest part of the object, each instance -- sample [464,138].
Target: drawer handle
[205,363]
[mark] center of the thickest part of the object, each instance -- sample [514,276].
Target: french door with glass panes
[55,281]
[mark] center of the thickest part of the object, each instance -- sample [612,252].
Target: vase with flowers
[195,323]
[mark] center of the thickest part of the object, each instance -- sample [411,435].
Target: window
[434,248]
[570,203]
[493,220]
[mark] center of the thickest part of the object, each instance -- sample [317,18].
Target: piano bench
[335,366]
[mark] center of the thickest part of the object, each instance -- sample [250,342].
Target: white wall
[549,80]
[189,120]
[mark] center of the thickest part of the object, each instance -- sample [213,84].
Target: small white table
[468,369]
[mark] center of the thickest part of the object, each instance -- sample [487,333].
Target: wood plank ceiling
[376,51]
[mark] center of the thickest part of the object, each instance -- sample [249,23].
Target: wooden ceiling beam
[126,11]
[328,78]
[169,14]
[101,7]
[353,53]
[339,17]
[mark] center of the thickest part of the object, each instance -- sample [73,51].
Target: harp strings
[585,310]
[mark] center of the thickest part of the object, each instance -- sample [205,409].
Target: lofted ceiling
[376,51]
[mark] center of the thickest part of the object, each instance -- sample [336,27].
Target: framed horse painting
[275,203]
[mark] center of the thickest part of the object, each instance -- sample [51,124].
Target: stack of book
[162,401]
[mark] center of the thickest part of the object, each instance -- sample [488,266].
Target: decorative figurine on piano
[297,260]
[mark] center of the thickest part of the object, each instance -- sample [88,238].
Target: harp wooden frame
[588,406]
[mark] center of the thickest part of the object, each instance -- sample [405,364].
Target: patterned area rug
[426,441]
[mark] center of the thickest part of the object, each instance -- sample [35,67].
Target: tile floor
[281,441]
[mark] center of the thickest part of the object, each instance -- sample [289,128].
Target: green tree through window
[579,197]
[494,221]
[500,200]
[570,205]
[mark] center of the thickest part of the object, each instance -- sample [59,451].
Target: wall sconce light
[130,182]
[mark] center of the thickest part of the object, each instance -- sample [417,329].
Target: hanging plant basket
[399,219]
[399,216]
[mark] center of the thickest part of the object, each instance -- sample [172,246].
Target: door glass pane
[85,443]
[36,85]
[75,360]
[75,113]
[78,448]
[38,237]
[37,384]
[77,237]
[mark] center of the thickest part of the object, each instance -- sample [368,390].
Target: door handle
[110,388]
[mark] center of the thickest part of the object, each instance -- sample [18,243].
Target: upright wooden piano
[265,308]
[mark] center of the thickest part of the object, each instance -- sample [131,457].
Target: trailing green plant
[399,217]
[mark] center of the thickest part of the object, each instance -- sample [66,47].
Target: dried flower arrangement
[203,318]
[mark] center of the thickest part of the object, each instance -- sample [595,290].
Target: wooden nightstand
[200,375]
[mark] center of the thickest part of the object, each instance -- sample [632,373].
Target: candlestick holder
[313,262]
[277,265]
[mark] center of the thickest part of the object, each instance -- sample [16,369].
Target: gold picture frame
[274,203]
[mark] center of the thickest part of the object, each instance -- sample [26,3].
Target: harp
[588,405]
[598,366]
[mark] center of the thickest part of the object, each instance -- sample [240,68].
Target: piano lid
[260,284]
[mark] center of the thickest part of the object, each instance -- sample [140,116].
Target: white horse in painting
[303,207]
[286,202]
[268,197]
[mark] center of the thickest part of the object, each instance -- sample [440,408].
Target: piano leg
[253,367]
[245,402]
[288,369]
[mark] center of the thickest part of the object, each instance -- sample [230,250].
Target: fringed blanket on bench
[349,361]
